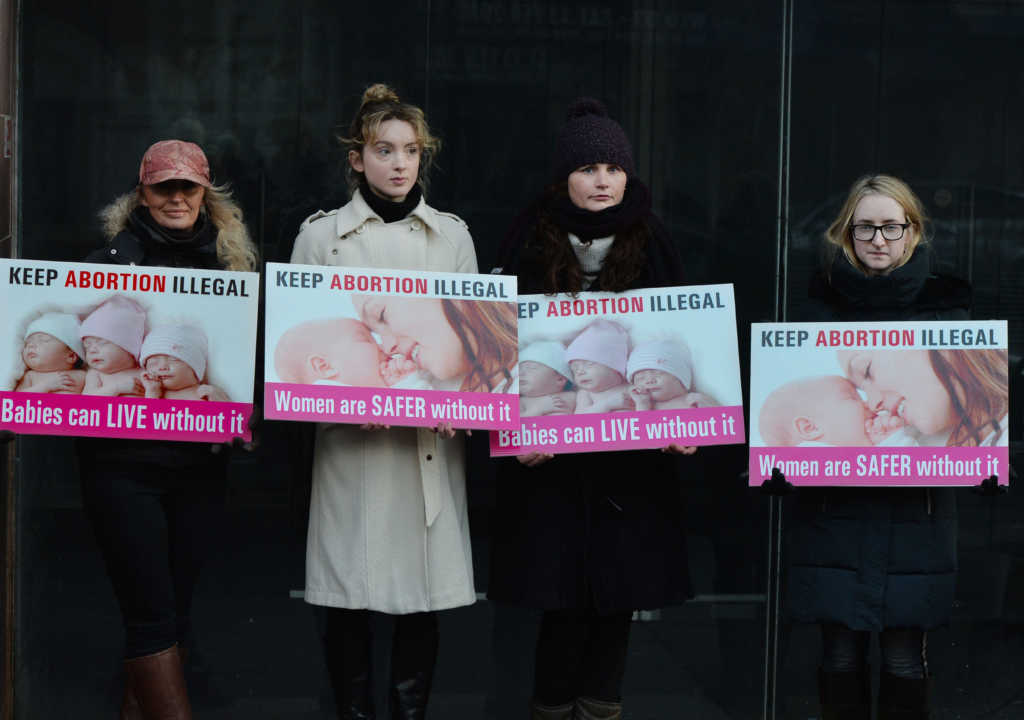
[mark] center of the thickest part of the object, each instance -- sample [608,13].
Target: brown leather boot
[130,709]
[593,709]
[159,685]
[550,712]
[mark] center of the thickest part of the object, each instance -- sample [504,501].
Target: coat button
[113,251]
[334,251]
[430,457]
[415,225]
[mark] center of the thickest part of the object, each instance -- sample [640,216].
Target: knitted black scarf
[388,210]
[587,224]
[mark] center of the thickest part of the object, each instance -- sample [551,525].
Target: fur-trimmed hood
[234,248]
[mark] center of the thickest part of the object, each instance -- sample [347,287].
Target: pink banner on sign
[881,466]
[391,406]
[621,431]
[123,417]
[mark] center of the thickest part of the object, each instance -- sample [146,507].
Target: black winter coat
[599,531]
[876,558]
[138,244]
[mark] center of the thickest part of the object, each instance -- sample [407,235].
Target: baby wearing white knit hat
[543,376]
[661,372]
[174,364]
[52,354]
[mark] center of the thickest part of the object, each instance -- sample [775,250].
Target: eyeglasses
[891,232]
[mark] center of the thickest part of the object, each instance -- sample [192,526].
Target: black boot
[539,711]
[347,646]
[592,709]
[902,698]
[844,696]
[413,657]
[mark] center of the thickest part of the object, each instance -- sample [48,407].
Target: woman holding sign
[388,526]
[884,560]
[154,504]
[589,538]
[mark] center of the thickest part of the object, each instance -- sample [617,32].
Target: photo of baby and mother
[401,342]
[865,397]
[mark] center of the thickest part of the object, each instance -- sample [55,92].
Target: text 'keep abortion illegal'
[127,281]
[884,337]
[470,289]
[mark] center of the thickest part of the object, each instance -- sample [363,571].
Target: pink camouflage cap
[174,160]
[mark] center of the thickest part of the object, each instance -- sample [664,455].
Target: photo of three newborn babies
[600,370]
[108,351]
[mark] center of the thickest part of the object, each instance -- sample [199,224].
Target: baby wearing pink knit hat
[174,362]
[661,372]
[112,337]
[597,358]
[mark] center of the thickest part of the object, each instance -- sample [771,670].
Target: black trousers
[904,650]
[580,654]
[154,525]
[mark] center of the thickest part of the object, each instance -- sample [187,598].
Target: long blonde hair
[838,236]
[235,248]
[379,104]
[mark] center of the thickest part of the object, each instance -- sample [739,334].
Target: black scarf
[190,248]
[911,290]
[388,210]
[198,234]
[587,224]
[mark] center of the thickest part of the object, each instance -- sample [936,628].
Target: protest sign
[392,347]
[879,403]
[618,371]
[127,351]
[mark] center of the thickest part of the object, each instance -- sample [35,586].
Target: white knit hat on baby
[185,342]
[63,326]
[671,356]
[547,352]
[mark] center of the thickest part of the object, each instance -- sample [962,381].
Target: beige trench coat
[388,523]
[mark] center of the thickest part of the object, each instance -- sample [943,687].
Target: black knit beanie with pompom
[589,136]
